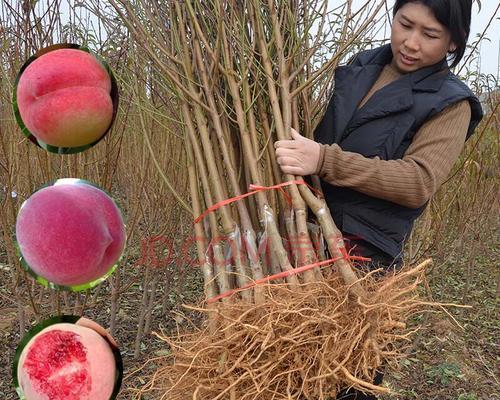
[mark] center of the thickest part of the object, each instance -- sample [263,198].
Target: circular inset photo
[67,358]
[70,235]
[65,98]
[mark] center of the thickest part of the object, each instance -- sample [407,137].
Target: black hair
[455,15]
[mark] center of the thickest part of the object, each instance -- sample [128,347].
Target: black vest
[383,127]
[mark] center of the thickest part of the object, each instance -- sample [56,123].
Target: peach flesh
[67,362]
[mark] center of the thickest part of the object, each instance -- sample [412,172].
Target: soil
[453,356]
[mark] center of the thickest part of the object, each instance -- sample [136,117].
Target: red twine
[254,189]
[285,274]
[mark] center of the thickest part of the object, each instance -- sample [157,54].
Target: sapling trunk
[240,73]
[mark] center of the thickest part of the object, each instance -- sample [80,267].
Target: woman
[393,129]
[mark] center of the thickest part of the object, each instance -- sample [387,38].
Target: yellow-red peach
[70,234]
[64,98]
[67,362]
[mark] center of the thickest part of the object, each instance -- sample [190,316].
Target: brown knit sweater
[409,181]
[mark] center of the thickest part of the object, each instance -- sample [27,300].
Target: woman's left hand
[88,323]
[299,156]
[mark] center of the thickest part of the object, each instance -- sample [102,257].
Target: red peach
[64,98]
[70,233]
[67,362]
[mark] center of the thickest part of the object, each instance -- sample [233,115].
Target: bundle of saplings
[288,315]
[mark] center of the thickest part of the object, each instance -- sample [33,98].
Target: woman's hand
[299,156]
[88,323]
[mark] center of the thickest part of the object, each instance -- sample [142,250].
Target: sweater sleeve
[412,180]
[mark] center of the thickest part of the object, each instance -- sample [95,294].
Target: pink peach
[64,98]
[67,362]
[70,233]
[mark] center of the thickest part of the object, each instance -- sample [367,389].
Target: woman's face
[417,38]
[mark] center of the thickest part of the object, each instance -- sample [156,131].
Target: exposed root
[296,345]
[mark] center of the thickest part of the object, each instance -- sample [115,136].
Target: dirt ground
[460,359]
[449,360]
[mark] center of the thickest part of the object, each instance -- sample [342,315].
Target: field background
[453,356]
